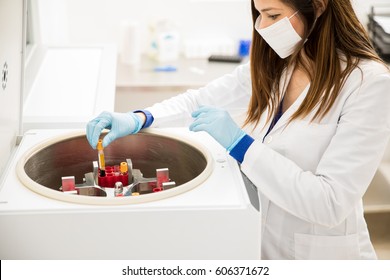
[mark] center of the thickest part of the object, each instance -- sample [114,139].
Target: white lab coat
[311,176]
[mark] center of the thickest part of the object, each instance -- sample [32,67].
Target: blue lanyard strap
[276,118]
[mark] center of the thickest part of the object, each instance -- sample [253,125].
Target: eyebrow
[269,9]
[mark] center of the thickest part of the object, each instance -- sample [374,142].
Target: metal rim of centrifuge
[95,200]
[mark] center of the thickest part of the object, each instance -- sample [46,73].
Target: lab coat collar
[291,110]
[282,122]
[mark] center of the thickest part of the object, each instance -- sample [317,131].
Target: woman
[317,124]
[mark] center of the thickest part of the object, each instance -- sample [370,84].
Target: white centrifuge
[205,209]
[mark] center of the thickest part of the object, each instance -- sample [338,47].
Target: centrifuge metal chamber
[42,168]
[212,213]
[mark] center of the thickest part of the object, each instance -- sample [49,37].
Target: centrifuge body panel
[218,218]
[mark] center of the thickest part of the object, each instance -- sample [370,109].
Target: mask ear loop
[311,30]
[293,14]
[312,27]
[314,24]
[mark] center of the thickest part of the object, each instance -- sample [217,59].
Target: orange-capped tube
[102,163]
[123,167]
[100,145]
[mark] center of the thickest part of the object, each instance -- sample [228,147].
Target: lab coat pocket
[318,247]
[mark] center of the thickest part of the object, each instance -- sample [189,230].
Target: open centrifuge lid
[37,94]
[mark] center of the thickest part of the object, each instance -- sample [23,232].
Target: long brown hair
[336,34]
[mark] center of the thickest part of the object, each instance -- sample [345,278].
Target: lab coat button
[268,140]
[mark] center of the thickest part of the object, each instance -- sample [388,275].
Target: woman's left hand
[219,124]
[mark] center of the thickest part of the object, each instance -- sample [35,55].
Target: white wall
[98,21]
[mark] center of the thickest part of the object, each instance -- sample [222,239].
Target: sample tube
[116,170]
[123,168]
[118,189]
[102,164]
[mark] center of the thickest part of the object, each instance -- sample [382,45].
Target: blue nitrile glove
[120,124]
[219,125]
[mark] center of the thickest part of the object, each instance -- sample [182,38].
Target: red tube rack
[111,177]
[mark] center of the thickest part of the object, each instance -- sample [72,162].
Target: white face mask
[280,36]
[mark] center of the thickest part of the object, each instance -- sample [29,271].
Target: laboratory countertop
[181,73]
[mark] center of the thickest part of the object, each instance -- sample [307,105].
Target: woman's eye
[273,17]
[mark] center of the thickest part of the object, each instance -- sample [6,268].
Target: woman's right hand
[119,124]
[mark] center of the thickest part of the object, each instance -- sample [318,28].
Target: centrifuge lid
[68,96]
[12,47]
[29,81]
